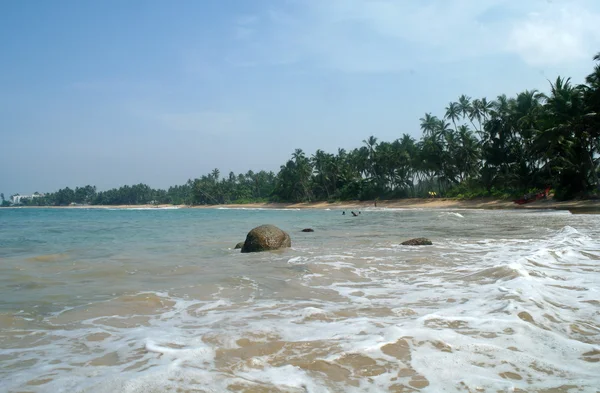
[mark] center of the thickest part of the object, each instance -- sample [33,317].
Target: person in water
[354,214]
[343,213]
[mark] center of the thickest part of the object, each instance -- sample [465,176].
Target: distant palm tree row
[207,190]
[502,148]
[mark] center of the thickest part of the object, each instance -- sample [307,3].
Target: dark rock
[265,238]
[420,241]
[239,245]
[308,230]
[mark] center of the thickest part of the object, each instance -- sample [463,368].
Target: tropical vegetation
[475,147]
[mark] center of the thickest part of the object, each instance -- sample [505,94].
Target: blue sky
[121,92]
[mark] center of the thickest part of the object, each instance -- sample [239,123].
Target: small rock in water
[265,238]
[308,230]
[239,245]
[420,241]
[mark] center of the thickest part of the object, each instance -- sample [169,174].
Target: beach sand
[575,206]
[437,203]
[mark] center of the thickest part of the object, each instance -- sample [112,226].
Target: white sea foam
[393,209]
[143,208]
[259,209]
[451,214]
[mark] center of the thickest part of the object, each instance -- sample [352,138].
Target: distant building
[16,199]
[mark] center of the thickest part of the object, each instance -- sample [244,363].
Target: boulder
[420,241]
[308,230]
[239,245]
[266,238]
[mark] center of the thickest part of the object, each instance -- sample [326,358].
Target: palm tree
[453,112]
[428,124]
[468,154]
[592,117]
[431,157]
[303,173]
[371,143]
[324,173]
[442,128]
[464,105]
[564,142]
[407,156]
[485,107]
[499,107]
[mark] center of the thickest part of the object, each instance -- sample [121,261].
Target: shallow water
[158,301]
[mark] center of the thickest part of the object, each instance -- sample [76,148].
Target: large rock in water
[420,241]
[265,238]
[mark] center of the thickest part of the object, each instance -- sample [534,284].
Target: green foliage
[248,188]
[249,201]
[480,148]
[474,192]
[503,148]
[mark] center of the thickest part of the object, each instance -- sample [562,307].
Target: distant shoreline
[592,206]
[583,206]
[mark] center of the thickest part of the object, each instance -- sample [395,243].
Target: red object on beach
[532,198]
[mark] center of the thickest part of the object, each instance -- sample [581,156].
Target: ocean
[157,300]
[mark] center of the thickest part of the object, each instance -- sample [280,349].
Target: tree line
[206,190]
[476,147]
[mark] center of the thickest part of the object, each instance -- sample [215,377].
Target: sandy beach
[576,206]
[440,203]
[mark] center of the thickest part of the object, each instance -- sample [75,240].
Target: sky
[122,92]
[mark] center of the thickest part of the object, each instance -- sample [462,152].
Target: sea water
[102,300]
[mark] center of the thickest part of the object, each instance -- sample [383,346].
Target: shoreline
[576,206]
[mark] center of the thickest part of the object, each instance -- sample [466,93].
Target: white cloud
[560,35]
[392,35]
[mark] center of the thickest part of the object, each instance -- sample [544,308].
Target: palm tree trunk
[593,168]
[475,128]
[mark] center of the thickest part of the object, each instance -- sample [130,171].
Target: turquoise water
[105,300]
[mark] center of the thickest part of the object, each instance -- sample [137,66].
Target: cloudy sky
[119,92]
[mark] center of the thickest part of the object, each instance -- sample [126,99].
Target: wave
[259,208]
[506,311]
[451,214]
[497,273]
[144,208]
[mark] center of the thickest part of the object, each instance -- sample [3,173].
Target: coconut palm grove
[474,147]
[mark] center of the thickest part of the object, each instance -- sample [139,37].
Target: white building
[16,199]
